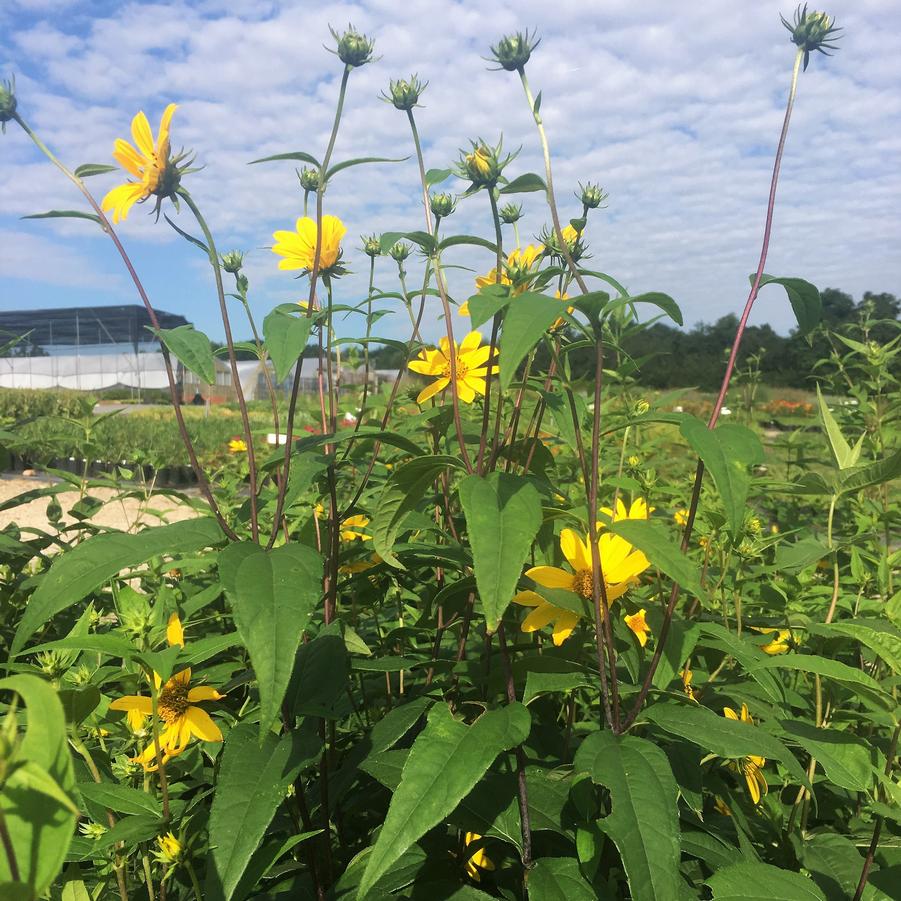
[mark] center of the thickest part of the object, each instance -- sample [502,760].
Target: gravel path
[125,514]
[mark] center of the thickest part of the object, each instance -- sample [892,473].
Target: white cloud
[675,109]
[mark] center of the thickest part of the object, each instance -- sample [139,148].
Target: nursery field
[513,626]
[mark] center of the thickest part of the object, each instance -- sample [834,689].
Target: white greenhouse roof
[84,372]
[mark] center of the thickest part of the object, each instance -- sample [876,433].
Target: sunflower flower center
[462,370]
[173,701]
[583,584]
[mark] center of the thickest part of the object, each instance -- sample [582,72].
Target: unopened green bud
[400,251]
[513,50]
[309,178]
[442,204]
[51,663]
[354,49]
[371,245]
[232,261]
[93,831]
[405,93]
[510,213]
[7,101]
[592,196]
[812,31]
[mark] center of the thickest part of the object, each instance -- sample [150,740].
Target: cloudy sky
[674,108]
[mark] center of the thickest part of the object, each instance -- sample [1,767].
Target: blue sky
[674,108]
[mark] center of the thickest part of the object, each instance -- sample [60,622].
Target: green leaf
[272,598]
[728,451]
[526,321]
[87,170]
[66,214]
[298,155]
[359,161]
[474,240]
[845,759]
[253,780]
[761,882]
[538,683]
[319,681]
[804,298]
[131,830]
[84,568]
[446,761]
[654,541]
[869,474]
[192,348]
[79,703]
[721,736]
[793,557]
[436,176]
[39,818]
[656,298]
[191,239]
[487,303]
[423,239]
[845,457]
[286,337]
[523,184]
[402,493]
[558,879]
[121,798]
[644,818]
[881,638]
[853,679]
[503,516]
[835,864]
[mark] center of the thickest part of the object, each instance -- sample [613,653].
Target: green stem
[8,848]
[192,875]
[232,359]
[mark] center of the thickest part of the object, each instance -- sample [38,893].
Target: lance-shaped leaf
[446,761]
[804,298]
[654,541]
[750,881]
[253,780]
[644,818]
[39,817]
[728,452]
[297,155]
[558,879]
[844,455]
[192,348]
[359,161]
[503,516]
[273,595]
[403,491]
[523,184]
[87,170]
[84,568]
[655,298]
[436,176]
[528,317]
[66,214]
[286,336]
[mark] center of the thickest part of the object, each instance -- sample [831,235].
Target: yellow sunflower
[517,272]
[621,565]
[781,643]
[638,509]
[149,164]
[751,767]
[639,626]
[299,247]
[352,528]
[471,357]
[237,446]
[680,517]
[175,708]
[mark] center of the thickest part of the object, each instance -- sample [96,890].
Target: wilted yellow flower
[149,164]
[478,861]
[621,565]
[687,676]
[639,626]
[170,850]
[750,767]
[237,446]
[299,247]
[175,708]
[471,357]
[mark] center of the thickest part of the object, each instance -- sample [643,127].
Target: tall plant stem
[445,303]
[202,481]
[549,178]
[721,397]
[314,277]
[8,849]
[232,359]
